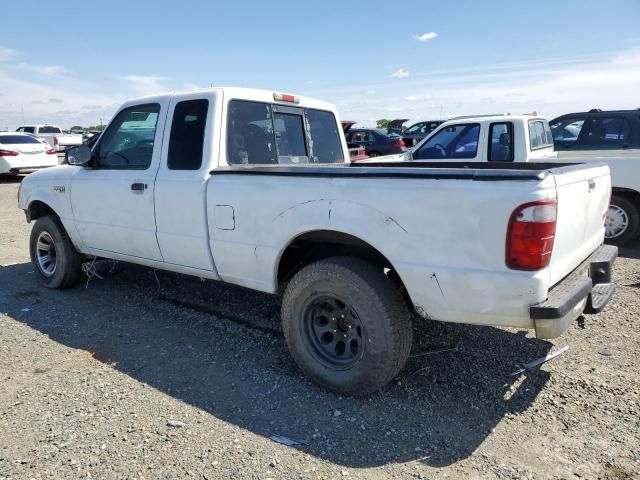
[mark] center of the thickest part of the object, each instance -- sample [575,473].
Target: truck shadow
[224,353]
[630,251]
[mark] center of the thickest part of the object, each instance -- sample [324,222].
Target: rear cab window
[49,129]
[274,134]
[27,129]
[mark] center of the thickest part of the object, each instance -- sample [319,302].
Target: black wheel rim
[334,331]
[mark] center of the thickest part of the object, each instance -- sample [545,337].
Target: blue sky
[73,62]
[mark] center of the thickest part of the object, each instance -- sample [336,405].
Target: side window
[501,142]
[250,137]
[606,132]
[127,144]
[27,129]
[128,141]
[454,141]
[187,135]
[325,144]
[539,135]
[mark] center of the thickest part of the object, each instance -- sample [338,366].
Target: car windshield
[17,139]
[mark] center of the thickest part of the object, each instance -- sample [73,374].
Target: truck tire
[53,256]
[346,325]
[623,221]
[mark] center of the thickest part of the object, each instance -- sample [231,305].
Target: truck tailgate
[583,199]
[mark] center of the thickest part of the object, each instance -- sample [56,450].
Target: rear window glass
[187,135]
[17,139]
[261,133]
[49,130]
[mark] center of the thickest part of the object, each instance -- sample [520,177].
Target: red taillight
[399,143]
[9,153]
[530,235]
[55,140]
[51,151]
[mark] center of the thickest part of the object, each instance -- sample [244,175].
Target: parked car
[21,153]
[53,136]
[357,152]
[376,141]
[596,130]
[525,138]
[255,188]
[416,132]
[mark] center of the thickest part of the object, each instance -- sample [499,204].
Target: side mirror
[80,155]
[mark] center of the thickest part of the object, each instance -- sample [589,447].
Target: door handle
[592,184]
[138,187]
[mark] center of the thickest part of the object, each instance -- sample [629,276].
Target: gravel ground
[138,377]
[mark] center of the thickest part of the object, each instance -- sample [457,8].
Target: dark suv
[597,130]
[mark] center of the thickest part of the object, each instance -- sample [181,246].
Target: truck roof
[496,117]
[258,95]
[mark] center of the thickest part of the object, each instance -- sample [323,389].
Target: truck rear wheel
[346,325]
[622,225]
[53,256]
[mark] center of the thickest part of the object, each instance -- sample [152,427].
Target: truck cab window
[187,135]
[455,141]
[128,141]
[325,144]
[261,133]
[500,142]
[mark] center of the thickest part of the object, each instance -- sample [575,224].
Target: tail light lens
[9,153]
[55,140]
[530,235]
[51,151]
[399,143]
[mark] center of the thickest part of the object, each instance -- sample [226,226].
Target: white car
[21,153]
[255,188]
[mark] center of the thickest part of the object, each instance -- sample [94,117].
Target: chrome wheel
[46,254]
[616,223]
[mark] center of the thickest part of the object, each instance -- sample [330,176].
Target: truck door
[188,154]
[113,202]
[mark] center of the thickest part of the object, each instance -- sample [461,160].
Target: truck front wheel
[346,325]
[53,256]
[622,225]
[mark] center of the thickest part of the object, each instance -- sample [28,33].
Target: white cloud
[400,73]
[190,86]
[146,84]
[44,69]
[425,37]
[411,98]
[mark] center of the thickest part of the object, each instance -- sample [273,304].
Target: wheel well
[313,246]
[629,194]
[38,209]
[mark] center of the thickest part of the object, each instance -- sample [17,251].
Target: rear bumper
[587,289]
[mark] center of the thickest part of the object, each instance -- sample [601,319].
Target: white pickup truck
[527,138]
[255,188]
[53,136]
